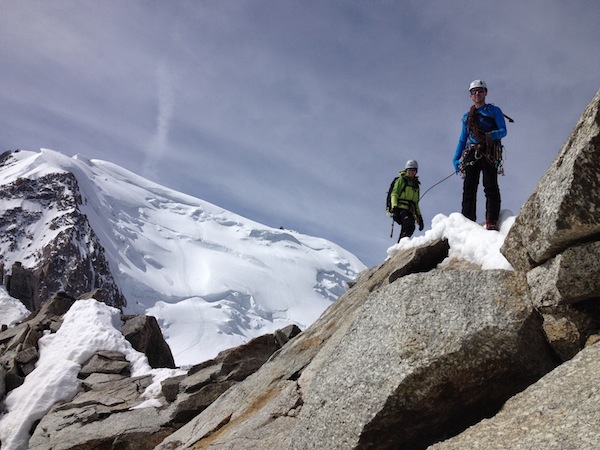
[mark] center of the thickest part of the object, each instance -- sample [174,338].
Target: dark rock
[12,380]
[145,336]
[105,362]
[2,382]
[170,387]
[284,335]
[28,355]
[420,259]
[559,412]
[22,285]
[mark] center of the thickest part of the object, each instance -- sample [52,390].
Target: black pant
[490,188]
[406,220]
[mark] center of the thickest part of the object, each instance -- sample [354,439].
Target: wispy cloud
[159,144]
[311,107]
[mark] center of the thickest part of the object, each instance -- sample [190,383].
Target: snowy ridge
[212,278]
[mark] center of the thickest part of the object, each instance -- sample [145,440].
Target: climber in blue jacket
[479,150]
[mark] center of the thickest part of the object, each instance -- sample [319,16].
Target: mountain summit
[213,279]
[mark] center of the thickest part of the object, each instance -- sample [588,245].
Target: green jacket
[405,193]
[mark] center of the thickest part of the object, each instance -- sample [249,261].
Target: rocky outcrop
[564,209]
[108,411]
[101,415]
[420,259]
[145,336]
[71,260]
[205,382]
[22,285]
[556,239]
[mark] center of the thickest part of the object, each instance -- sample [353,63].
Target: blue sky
[297,113]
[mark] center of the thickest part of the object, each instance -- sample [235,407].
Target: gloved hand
[456,163]
[420,221]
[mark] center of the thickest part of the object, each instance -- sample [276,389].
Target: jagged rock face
[555,239]
[103,413]
[71,260]
[564,209]
[19,344]
[570,277]
[104,403]
[22,285]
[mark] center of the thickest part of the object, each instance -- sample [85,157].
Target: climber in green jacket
[405,200]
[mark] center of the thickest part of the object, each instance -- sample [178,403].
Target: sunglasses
[477,91]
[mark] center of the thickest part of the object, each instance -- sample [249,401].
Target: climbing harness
[474,152]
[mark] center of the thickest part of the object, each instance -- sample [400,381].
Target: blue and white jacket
[486,124]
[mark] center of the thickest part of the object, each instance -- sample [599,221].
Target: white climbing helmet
[478,84]
[412,164]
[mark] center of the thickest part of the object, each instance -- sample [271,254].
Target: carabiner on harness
[471,149]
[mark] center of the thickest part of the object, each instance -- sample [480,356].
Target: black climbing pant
[406,220]
[490,188]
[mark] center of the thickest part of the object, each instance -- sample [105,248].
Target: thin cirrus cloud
[296,114]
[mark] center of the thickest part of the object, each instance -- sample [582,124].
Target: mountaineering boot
[403,235]
[490,225]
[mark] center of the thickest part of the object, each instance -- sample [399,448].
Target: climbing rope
[439,182]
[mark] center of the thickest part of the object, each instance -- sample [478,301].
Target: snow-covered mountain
[212,278]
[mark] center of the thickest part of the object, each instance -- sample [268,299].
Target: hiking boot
[491,225]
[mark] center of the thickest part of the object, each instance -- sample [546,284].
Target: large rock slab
[564,209]
[138,429]
[570,277]
[398,365]
[542,416]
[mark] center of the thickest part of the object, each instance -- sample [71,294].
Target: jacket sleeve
[462,140]
[500,123]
